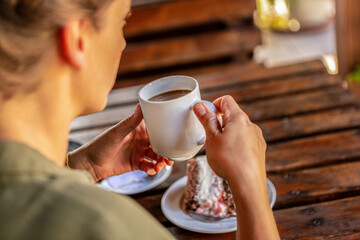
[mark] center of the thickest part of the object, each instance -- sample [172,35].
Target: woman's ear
[72,44]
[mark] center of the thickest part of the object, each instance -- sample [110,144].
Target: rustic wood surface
[331,181]
[232,74]
[185,50]
[180,13]
[311,123]
[252,91]
[321,220]
[313,151]
[164,36]
[298,103]
[260,110]
[122,102]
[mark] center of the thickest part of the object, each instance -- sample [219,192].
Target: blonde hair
[28,28]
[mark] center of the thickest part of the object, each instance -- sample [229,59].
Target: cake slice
[206,193]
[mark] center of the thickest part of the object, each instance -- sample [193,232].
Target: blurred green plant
[354,76]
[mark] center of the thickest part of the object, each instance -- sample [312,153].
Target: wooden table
[312,126]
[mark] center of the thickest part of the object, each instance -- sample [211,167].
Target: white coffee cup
[174,130]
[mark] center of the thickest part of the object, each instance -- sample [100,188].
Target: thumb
[126,126]
[207,118]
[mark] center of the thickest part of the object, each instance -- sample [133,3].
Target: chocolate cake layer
[224,203]
[192,170]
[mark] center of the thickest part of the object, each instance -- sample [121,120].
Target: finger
[161,161]
[207,118]
[152,155]
[148,167]
[231,110]
[227,103]
[126,126]
[168,162]
[159,166]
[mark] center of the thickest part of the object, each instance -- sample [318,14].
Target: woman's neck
[34,121]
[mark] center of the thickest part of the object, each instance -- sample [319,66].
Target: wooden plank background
[179,14]
[185,35]
[186,50]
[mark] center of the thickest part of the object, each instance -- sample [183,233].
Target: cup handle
[213,108]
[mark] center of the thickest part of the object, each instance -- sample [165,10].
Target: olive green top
[40,200]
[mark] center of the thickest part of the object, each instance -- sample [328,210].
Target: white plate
[171,207]
[135,182]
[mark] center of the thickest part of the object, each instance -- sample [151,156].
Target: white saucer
[171,207]
[135,182]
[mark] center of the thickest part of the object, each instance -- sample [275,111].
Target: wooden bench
[185,34]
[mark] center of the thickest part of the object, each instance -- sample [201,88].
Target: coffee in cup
[170,95]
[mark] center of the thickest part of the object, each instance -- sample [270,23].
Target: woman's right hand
[236,151]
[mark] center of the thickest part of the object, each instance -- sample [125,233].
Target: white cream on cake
[209,190]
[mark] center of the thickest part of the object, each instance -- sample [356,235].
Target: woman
[58,60]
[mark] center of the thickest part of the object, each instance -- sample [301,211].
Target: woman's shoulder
[105,212]
[67,206]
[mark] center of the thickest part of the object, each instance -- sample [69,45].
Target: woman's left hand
[123,148]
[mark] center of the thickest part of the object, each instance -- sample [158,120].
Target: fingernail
[199,109]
